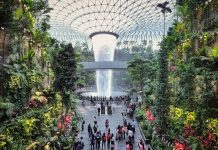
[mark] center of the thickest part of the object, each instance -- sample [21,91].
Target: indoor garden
[180,84]
[172,69]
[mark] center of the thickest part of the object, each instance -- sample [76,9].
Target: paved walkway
[89,111]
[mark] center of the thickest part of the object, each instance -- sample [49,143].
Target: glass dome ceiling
[75,20]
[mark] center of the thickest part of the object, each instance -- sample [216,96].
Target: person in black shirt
[99,109]
[89,130]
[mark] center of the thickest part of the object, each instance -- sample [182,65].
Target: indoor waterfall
[104,46]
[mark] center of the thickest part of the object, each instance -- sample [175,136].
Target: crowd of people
[106,139]
[117,99]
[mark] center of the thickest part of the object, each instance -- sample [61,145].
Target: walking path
[89,111]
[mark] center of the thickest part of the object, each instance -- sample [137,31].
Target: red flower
[179,146]
[189,131]
[67,119]
[150,117]
[211,137]
[148,113]
[60,125]
[208,140]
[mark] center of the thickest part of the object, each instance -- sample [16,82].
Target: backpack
[98,138]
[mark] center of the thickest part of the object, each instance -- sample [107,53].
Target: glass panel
[127,18]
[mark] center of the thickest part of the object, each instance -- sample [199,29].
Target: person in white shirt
[130,134]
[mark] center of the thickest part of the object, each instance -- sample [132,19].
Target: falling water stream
[104,47]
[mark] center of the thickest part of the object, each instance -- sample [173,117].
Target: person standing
[108,138]
[124,129]
[104,139]
[133,125]
[129,146]
[131,135]
[92,141]
[83,123]
[112,142]
[98,140]
[99,109]
[141,145]
[95,128]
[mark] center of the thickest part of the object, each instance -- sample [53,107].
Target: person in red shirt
[129,146]
[104,139]
[141,145]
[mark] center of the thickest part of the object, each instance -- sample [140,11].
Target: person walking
[106,124]
[83,123]
[89,130]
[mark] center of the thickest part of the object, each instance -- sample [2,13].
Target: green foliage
[6,108]
[162,102]
[6,12]
[20,80]
[142,72]
[157,144]
[21,126]
[215,52]
[194,143]
[140,114]
[65,67]
[137,70]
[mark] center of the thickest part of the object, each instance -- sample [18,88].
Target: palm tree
[162,103]
[164,10]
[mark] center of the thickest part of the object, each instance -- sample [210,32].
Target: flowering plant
[190,118]
[213,126]
[149,115]
[207,140]
[189,131]
[179,146]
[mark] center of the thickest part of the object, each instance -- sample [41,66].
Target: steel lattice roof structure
[132,20]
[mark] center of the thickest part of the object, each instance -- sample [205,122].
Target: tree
[162,106]
[164,10]
[65,68]
[139,71]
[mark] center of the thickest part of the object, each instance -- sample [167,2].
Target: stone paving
[89,111]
